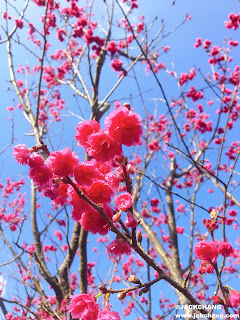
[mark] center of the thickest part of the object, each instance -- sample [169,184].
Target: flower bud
[134,279]
[121,160]
[210,225]
[116,217]
[127,105]
[139,236]
[121,296]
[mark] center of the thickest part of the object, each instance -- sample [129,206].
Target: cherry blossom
[83,306]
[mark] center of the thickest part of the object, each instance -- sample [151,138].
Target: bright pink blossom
[234,298]
[41,175]
[225,249]
[206,251]
[92,221]
[118,247]
[112,179]
[154,202]
[78,205]
[64,247]
[234,21]
[62,194]
[232,213]
[131,222]
[102,147]
[86,173]
[84,130]
[116,64]
[124,126]
[100,192]
[19,23]
[209,268]
[210,225]
[50,190]
[40,3]
[58,234]
[166,48]
[112,47]
[21,153]
[106,314]
[180,230]
[198,43]
[217,299]
[60,33]
[123,201]
[83,306]
[62,162]
[35,160]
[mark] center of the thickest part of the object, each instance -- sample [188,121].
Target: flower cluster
[234,20]
[122,127]
[184,77]
[209,251]
[210,225]
[64,179]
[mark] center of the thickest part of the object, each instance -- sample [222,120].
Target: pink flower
[217,299]
[131,222]
[84,130]
[198,43]
[83,306]
[206,251]
[19,23]
[50,190]
[234,298]
[40,3]
[106,314]
[180,229]
[116,64]
[86,173]
[62,162]
[64,247]
[58,234]
[62,194]
[112,180]
[124,126]
[60,34]
[102,147]
[232,213]
[100,192]
[225,249]
[154,202]
[201,270]
[78,205]
[123,201]
[21,153]
[118,247]
[92,221]
[35,160]
[112,47]
[209,268]
[41,175]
